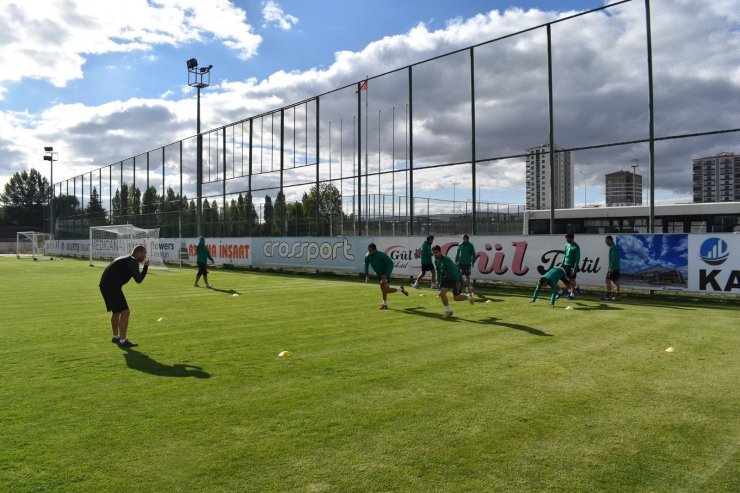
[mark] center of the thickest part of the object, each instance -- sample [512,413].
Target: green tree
[66,207]
[279,215]
[24,197]
[94,210]
[329,203]
[267,213]
[150,203]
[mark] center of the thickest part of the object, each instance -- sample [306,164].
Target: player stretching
[118,273]
[426,263]
[383,266]
[551,277]
[449,278]
[464,259]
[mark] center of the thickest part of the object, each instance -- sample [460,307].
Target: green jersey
[426,252]
[382,263]
[553,276]
[202,253]
[446,268]
[614,262]
[572,255]
[465,253]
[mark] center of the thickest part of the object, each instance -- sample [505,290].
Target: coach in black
[118,273]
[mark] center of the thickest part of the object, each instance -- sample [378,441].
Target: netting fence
[591,110]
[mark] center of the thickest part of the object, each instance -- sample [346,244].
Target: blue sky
[313,32]
[105,80]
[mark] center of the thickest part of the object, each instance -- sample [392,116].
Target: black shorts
[387,277]
[114,299]
[426,268]
[202,269]
[570,271]
[450,284]
[613,275]
[464,269]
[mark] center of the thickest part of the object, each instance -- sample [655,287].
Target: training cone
[234,294]
[568,307]
[285,354]
[161,319]
[670,350]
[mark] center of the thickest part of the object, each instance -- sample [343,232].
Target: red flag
[363,86]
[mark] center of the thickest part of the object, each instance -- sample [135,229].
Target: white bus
[710,217]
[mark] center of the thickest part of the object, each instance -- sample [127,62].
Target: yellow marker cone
[670,350]
[285,354]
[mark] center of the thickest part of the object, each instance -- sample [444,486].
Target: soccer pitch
[506,396]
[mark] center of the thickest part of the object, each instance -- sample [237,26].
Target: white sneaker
[209,285]
[415,285]
[447,314]
[470,298]
[433,286]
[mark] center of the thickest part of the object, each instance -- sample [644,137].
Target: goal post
[31,244]
[109,242]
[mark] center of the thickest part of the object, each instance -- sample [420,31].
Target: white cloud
[273,14]
[50,39]
[600,97]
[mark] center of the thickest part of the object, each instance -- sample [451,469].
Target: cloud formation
[273,14]
[51,40]
[599,75]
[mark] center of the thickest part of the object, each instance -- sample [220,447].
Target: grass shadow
[523,328]
[226,291]
[600,306]
[142,362]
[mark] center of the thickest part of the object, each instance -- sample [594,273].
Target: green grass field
[507,396]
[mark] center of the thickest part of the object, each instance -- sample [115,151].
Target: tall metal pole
[473,154]
[651,144]
[199,174]
[552,131]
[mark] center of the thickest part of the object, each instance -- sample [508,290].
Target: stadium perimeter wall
[707,263]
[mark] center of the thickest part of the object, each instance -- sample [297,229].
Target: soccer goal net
[31,244]
[109,242]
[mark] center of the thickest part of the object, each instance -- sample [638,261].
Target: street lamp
[585,182]
[50,155]
[454,183]
[199,77]
[634,163]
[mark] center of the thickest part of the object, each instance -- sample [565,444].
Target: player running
[464,258]
[449,278]
[426,263]
[383,266]
[119,272]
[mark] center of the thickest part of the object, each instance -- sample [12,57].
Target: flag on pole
[363,86]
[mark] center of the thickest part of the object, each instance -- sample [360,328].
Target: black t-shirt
[121,270]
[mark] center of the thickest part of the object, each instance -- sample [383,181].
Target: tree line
[26,203]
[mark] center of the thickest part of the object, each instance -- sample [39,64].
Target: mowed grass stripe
[508,396]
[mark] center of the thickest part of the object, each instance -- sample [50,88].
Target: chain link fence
[615,107]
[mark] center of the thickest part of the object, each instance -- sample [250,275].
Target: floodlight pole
[634,163]
[196,79]
[51,156]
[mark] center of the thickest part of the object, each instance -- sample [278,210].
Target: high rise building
[623,188]
[538,178]
[717,178]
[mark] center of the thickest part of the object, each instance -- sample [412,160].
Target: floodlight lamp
[48,149]
[192,63]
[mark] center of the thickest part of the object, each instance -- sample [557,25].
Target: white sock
[116,337]
[447,308]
